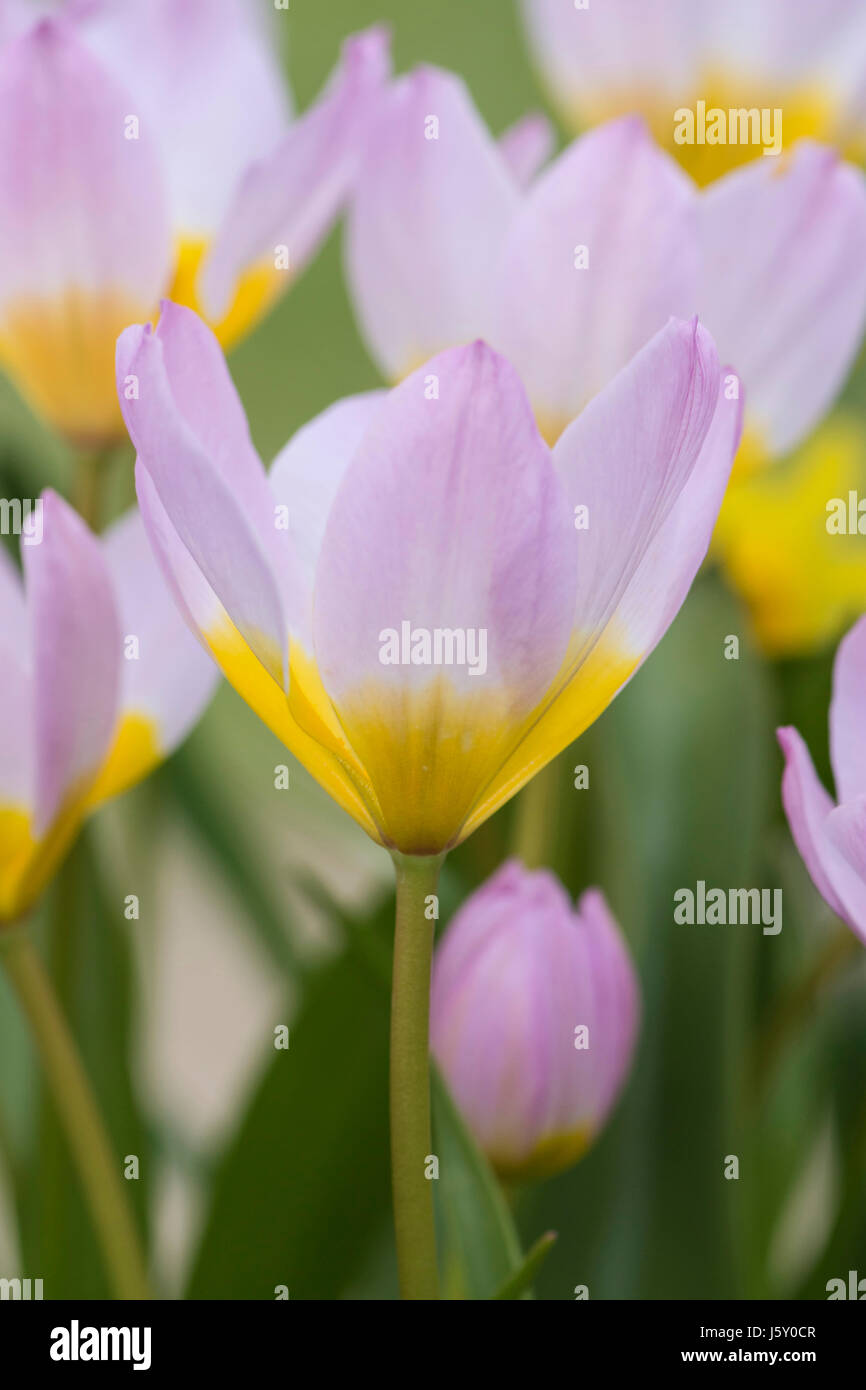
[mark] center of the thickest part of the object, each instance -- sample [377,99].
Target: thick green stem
[97,1166]
[410,1078]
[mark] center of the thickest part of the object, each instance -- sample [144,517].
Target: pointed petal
[190,432]
[84,239]
[451,518]
[207,85]
[602,252]
[784,289]
[290,197]
[848,715]
[432,201]
[526,146]
[75,646]
[808,809]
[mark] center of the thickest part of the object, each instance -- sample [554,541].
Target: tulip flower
[436,505]
[101,681]
[424,601]
[147,149]
[572,275]
[660,57]
[533,1016]
[831,837]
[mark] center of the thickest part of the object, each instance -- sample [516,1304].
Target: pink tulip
[832,837]
[534,1012]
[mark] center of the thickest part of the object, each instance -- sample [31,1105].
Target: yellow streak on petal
[27,864]
[298,722]
[802,585]
[60,353]
[256,291]
[586,695]
[808,109]
[134,753]
[552,1154]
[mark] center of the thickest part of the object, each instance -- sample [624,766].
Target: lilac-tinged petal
[307,472]
[450,517]
[76,655]
[16,696]
[848,715]
[784,283]
[188,427]
[808,807]
[526,146]
[206,84]
[84,237]
[602,252]
[846,829]
[291,196]
[166,677]
[430,208]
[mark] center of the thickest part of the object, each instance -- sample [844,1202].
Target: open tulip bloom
[148,149]
[832,837]
[571,275]
[423,600]
[100,681]
[660,57]
[533,1014]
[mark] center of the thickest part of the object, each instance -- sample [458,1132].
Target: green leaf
[520,1283]
[303,1191]
[479,1246]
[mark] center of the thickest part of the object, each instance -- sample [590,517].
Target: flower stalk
[82,1123]
[410,1077]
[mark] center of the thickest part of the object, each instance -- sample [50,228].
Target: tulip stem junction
[98,1168]
[410,1076]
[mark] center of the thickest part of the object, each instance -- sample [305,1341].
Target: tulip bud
[534,1012]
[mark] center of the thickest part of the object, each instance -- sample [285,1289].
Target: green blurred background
[261,907]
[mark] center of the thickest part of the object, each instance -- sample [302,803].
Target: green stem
[535,819]
[98,1168]
[89,492]
[410,1078]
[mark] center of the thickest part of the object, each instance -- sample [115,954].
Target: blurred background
[262,907]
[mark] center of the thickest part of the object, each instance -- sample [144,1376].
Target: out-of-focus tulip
[100,681]
[832,838]
[533,1016]
[424,601]
[572,275]
[659,57]
[147,149]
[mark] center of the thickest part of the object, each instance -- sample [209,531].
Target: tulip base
[410,1077]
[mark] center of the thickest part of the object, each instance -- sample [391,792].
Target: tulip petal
[208,620]
[526,146]
[432,201]
[166,678]
[649,459]
[848,715]
[307,473]
[846,829]
[189,429]
[784,284]
[449,518]
[808,808]
[206,83]
[16,734]
[290,197]
[602,252]
[67,171]
[75,646]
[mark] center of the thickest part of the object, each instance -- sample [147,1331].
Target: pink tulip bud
[534,1012]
